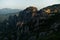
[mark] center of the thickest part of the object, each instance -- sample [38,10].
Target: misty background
[22,4]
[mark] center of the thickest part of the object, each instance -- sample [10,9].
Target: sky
[22,4]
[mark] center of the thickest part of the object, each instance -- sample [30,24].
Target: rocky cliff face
[33,24]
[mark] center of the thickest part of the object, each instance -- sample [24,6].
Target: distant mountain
[8,10]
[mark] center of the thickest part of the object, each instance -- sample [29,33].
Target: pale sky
[22,4]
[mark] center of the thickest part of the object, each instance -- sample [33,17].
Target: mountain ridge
[33,24]
[8,10]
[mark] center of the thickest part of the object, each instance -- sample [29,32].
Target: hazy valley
[6,12]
